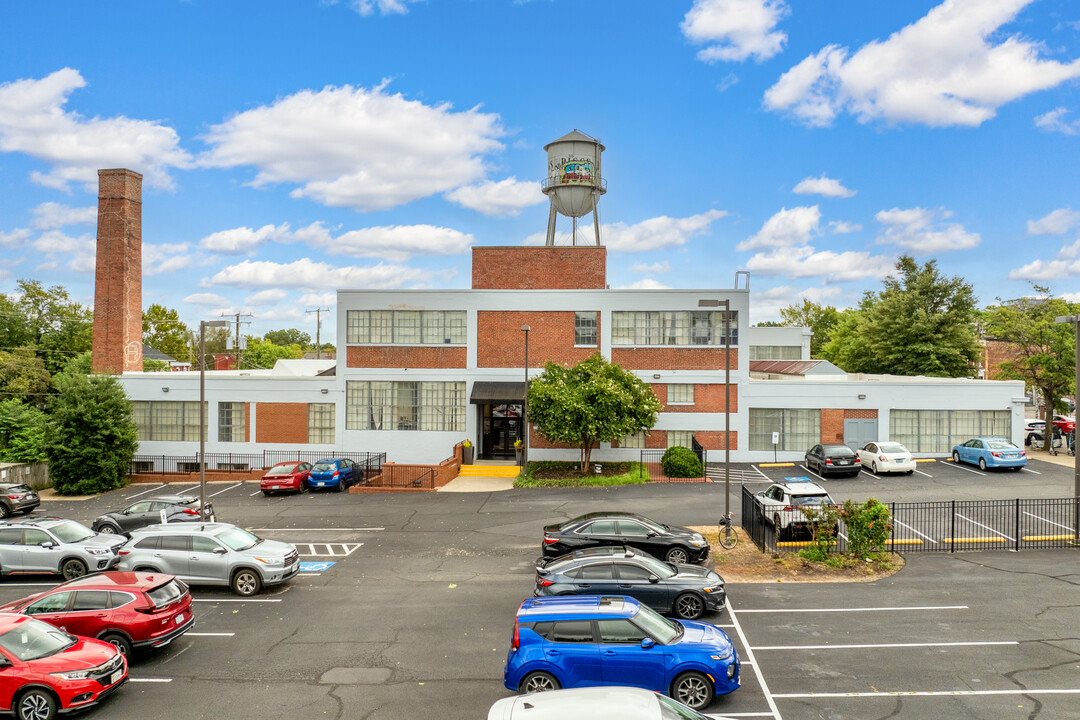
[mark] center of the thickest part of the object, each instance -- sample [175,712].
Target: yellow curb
[1044,538]
[776,464]
[919,460]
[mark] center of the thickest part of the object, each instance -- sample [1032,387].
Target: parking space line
[950,463]
[932,693]
[922,473]
[147,491]
[819,477]
[761,473]
[181,492]
[255,493]
[239,600]
[227,489]
[1024,469]
[861,609]
[914,531]
[735,715]
[752,662]
[1051,522]
[887,645]
[322,529]
[203,634]
[150,680]
[986,527]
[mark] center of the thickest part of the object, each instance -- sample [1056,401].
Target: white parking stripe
[986,527]
[239,600]
[819,477]
[147,491]
[1050,522]
[202,634]
[753,663]
[181,492]
[322,529]
[886,645]
[922,473]
[227,489]
[933,693]
[915,531]
[255,493]
[734,715]
[761,473]
[1024,469]
[958,466]
[150,680]
[862,609]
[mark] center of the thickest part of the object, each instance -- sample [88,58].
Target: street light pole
[1073,320]
[525,405]
[203,324]
[726,304]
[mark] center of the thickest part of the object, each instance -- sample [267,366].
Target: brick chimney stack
[117,344]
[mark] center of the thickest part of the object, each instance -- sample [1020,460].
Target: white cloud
[736,29]
[822,186]
[79,253]
[50,216]
[786,228]
[314,276]
[1065,264]
[266,297]
[368,7]
[651,234]
[1054,121]
[654,268]
[395,243]
[727,81]
[766,304]
[328,300]
[206,299]
[796,262]
[165,258]
[1071,297]
[505,197]
[916,230]
[842,227]
[33,121]
[940,71]
[241,240]
[644,284]
[361,148]
[15,238]
[1058,222]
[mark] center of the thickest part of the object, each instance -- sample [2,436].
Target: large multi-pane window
[680,393]
[937,431]
[636,441]
[585,328]
[799,429]
[679,327]
[776,352]
[320,421]
[167,421]
[682,438]
[406,327]
[231,422]
[386,405]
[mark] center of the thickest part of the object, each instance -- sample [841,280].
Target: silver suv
[55,545]
[210,554]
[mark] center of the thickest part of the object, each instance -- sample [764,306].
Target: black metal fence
[651,459]
[406,476]
[370,462]
[944,526]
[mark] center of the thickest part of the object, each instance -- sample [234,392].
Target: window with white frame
[406,327]
[800,429]
[679,327]
[682,438]
[231,422]
[937,431]
[680,394]
[385,405]
[321,423]
[585,328]
[168,420]
[635,441]
[776,352]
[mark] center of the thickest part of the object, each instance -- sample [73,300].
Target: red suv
[286,476]
[128,609]
[45,671]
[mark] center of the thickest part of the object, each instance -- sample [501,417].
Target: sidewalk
[464,483]
[1062,458]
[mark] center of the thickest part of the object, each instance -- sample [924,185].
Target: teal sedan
[990,452]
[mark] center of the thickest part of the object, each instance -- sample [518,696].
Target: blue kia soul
[337,473]
[587,640]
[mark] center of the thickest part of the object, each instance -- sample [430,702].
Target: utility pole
[236,348]
[318,328]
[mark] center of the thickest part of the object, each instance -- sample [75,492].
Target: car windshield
[282,469]
[892,448]
[19,489]
[238,539]
[656,567]
[671,710]
[809,499]
[168,593]
[33,639]
[71,531]
[323,467]
[658,627]
[1001,445]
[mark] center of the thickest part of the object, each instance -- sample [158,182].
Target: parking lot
[407,606]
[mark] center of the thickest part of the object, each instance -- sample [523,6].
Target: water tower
[574,183]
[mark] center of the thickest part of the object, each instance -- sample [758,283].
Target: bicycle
[727,536]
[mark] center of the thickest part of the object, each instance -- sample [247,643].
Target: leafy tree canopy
[593,401]
[47,320]
[22,432]
[292,336]
[163,331]
[263,353]
[821,319]
[23,377]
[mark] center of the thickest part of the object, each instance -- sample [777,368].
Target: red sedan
[131,610]
[45,671]
[286,476]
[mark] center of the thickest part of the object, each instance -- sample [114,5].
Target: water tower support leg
[551,226]
[596,218]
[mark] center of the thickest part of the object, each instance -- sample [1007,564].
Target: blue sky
[291,148]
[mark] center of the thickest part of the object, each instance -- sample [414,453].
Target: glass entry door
[501,426]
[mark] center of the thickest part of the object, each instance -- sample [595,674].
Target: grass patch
[568,474]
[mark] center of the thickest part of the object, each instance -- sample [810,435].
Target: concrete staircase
[489,471]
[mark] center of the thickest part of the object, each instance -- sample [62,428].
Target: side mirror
[761,493]
[652,534]
[48,544]
[647,643]
[220,551]
[4,663]
[654,579]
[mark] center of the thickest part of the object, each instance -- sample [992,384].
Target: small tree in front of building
[592,402]
[91,436]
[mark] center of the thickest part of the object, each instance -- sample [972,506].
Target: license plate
[843,462]
[180,618]
[275,487]
[116,677]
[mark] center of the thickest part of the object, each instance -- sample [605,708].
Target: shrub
[681,462]
[868,524]
[823,521]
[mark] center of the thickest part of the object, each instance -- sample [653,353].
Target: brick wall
[708,398]
[117,331]
[539,442]
[861,414]
[672,358]
[715,441]
[404,356]
[536,268]
[281,422]
[832,426]
[500,341]
[994,353]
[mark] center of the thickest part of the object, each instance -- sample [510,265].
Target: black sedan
[685,591]
[176,508]
[828,460]
[668,542]
[17,498]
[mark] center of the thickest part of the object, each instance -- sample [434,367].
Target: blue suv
[587,640]
[337,473]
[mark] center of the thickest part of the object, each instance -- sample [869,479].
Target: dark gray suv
[55,545]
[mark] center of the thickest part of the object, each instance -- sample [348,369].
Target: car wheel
[955,457]
[677,555]
[689,606]
[36,704]
[538,681]
[1017,469]
[303,486]
[982,463]
[122,643]
[73,568]
[341,486]
[143,568]
[5,511]
[693,689]
[246,582]
[873,467]
[108,529]
[266,493]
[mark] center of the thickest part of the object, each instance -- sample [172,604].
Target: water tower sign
[574,184]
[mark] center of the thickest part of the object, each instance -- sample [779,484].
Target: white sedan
[887,457]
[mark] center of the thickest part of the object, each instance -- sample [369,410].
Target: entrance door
[858,432]
[501,427]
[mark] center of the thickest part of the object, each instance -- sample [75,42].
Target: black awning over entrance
[497,392]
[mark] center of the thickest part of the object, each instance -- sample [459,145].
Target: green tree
[23,376]
[163,331]
[591,402]
[22,432]
[47,320]
[770,323]
[91,437]
[1046,351]
[151,365]
[922,323]
[263,353]
[80,364]
[292,336]
[821,319]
